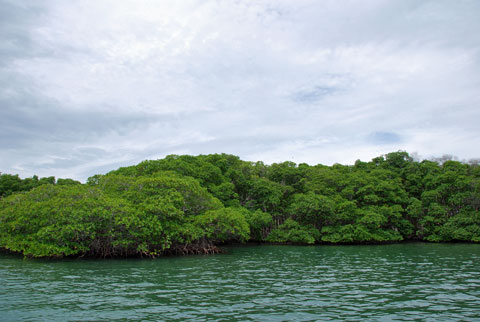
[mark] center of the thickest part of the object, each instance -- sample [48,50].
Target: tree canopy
[191,204]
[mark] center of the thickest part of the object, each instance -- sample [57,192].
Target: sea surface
[401,282]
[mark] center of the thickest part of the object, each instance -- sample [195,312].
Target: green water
[403,282]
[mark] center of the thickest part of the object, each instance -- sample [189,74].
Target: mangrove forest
[184,204]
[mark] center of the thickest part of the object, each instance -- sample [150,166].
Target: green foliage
[206,173]
[311,208]
[259,222]
[187,204]
[267,196]
[119,216]
[226,224]
[292,232]
[65,182]
[194,198]
[52,221]
[10,184]
[287,173]
[358,234]
[463,227]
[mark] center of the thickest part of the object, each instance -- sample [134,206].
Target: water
[403,282]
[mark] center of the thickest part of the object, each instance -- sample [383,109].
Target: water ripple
[404,282]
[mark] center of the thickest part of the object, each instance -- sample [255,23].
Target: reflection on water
[403,282]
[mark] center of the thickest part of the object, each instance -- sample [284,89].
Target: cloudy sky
[88,86]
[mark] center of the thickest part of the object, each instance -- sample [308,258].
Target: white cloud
[93,85]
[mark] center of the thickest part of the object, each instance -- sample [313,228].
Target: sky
[89,86]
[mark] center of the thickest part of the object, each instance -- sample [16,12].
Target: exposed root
[193,249]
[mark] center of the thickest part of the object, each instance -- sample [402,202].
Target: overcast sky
[88,86]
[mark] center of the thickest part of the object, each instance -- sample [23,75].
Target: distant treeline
[191,204]
[10,183]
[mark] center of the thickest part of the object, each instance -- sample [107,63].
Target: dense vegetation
[186,204]
[13,183]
